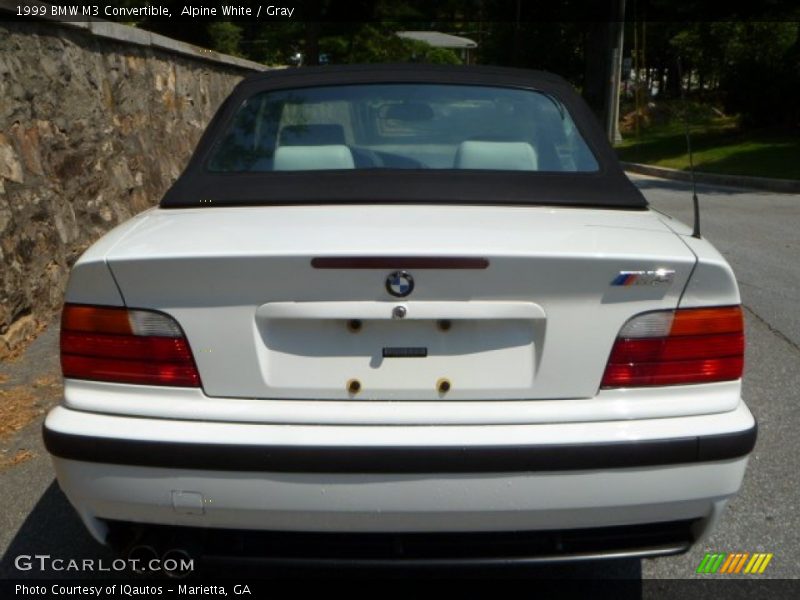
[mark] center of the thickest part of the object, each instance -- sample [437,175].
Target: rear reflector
[125,346]
[690,345]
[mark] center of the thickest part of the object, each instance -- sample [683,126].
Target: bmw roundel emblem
[399,284]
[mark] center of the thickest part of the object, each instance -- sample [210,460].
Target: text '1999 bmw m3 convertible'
[402,315]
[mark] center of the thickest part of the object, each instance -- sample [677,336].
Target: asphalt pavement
[759,234]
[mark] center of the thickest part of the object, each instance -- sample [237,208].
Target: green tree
[225,37]
[761,78]
[379,43]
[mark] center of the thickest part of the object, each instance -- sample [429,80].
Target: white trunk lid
[538,322]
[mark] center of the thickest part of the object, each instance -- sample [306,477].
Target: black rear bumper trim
[397,459]
[449,563]
[416,549]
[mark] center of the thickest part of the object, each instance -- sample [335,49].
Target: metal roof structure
[438,39]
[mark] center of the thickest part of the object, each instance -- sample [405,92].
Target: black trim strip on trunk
[398,262]
[393,459]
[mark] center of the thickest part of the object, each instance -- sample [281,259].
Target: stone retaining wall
[92,130]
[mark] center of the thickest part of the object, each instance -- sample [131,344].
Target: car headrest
[312,158]
[317,134]
[505,156]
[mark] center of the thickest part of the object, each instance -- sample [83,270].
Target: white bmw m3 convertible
[402,315]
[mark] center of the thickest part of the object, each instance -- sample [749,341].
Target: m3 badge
[652,278]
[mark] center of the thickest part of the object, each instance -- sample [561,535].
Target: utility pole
[617,34]
[603,56]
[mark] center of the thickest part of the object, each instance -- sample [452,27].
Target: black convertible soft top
[608,187]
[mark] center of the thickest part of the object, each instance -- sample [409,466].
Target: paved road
[759,233]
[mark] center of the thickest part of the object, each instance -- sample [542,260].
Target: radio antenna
[695,201]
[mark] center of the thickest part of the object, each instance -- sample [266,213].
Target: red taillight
[125,346]
[690,345]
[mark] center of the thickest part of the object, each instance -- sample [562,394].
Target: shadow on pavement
[53,528]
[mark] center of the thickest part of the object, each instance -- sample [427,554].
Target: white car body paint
[526,352]
[219,272]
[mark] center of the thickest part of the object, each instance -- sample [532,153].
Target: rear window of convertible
[401,126]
